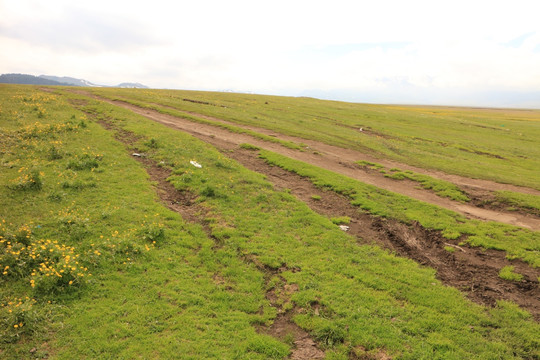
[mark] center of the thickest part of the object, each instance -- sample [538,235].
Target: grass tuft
[507,273]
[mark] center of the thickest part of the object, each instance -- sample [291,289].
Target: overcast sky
[483,53]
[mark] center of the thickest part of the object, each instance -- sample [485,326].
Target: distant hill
[26,79]
[133,85]
[68,80]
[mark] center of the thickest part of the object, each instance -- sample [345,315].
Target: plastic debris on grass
[196,164]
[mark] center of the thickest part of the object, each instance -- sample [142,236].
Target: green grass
[340,220]
[247,146]
[493,144]
[450,249]
[198,119]
[525,201]
[517,242]
[507,273]
[442,188]
[370,165]
[192,297]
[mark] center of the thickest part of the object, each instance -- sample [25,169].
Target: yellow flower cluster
[39,129]
[18,304]
[17,316]
[72,216]
[58,267]
[50,265]
[28,179]
[36,97]
[14,314]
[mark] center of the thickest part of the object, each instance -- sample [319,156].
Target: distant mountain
[57,80]
[69,80]
[132,85]
[26,80]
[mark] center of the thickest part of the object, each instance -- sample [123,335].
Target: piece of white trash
[344,227]
[136,154]
[196,164]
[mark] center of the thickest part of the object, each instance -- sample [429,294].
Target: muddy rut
[342,161]
[474,271]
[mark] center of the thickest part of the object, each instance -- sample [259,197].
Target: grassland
[162,287]
[488,144]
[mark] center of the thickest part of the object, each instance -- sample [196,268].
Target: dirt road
[342,161]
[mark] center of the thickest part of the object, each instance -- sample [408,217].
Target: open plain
[183,224]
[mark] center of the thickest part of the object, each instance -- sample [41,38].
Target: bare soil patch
[305,348]
[283,327]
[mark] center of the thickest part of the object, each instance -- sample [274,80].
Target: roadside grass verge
[351,298]
[442,188]
[493,144]
[517,242]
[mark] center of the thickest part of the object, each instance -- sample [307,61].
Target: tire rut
[473,271]
[184,203]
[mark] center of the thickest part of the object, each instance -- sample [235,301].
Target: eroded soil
[474,271]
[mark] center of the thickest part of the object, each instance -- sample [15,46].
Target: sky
[438,52]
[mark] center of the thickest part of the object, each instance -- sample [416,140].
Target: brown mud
[283,327]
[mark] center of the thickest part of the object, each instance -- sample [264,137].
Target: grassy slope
[156,303]
[459,141]
[166,302]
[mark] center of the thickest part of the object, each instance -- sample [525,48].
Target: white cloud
[391,47]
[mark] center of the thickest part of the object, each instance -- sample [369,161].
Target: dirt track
[474,271]
[342,161]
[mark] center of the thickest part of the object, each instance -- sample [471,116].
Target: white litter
[136,154]
[344,227]
[196,164]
